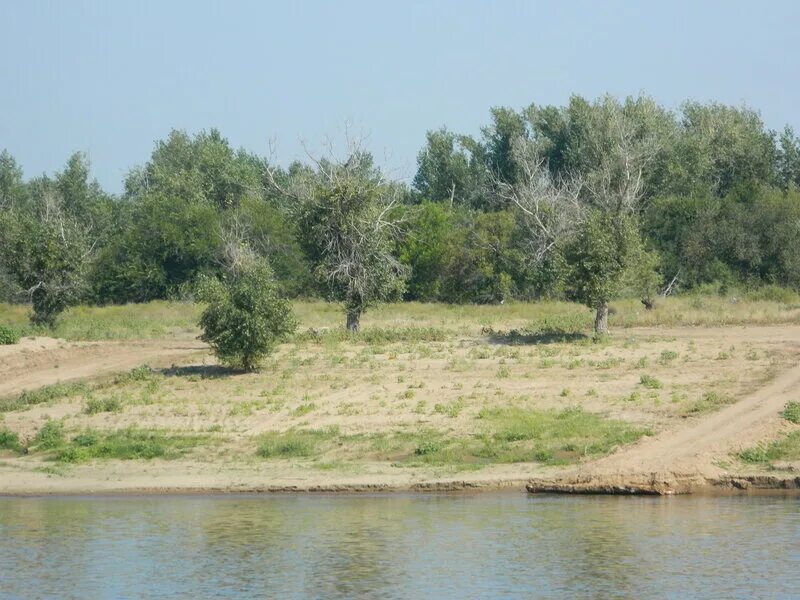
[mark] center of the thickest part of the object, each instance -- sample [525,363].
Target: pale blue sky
[110,78]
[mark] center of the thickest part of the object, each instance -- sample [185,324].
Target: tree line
[584,201]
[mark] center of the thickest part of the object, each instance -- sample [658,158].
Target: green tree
[48,254]
[12,188]
[245,317]
[164,243]
[444,169]
[199,168]
[599,256]
[347,227]
[426,248]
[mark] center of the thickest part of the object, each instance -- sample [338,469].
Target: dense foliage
[713,200]
[245,317]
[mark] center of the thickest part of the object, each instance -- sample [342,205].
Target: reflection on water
[403,546]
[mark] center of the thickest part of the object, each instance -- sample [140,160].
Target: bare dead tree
[551,207]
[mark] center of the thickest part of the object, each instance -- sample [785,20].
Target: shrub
[9,440]
[8,335]
[50,436]
[245,318]
[650,382]
[791,412]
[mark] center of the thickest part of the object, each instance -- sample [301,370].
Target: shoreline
[728,485]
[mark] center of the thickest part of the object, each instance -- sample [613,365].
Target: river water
[503,545]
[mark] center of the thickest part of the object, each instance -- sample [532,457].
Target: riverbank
[461,406]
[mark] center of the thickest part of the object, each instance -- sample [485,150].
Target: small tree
[245,318]
[598,257]
[347,229]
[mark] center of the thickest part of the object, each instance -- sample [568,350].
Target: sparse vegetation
[787,448]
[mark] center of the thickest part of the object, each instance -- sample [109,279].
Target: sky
[112,78]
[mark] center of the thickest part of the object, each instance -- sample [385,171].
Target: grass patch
[293,444]
[786,448]
[708,402]
[791,412]
[517,435]
[9,335]
[9,440]
[375,335]
[127,444]
[650,382]
[98,405]
[50,436]
[42,395]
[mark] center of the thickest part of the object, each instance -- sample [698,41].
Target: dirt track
[37,362]
[691,456]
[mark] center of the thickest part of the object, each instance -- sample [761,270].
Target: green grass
[9,335]
[157,319]
[709,402]
[9,440]
[414,321]
[42,395]
[127,444]
[292,444]
[791,412]
[787,448]
[49,437]
[98,405]
[517,435]
[650,382]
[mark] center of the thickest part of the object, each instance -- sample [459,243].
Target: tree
[48,254]
[12,187]
[425,249]
[598,256]
[789,159]
[245,317]
[444,169]
[163,242]
[347,228]
[199,168]
[590,216]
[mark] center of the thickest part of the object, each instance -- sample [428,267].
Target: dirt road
[37,362]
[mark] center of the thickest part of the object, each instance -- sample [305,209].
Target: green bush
[650,382]
[791,412]
[245,318]
[8,335]
[50,436]
[9,440]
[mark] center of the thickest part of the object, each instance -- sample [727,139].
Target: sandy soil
[40,361]
[687,453]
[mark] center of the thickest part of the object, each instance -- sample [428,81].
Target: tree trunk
[353,320]
[601,319]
